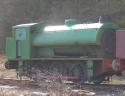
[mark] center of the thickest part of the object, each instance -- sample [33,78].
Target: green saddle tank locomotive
[79,52]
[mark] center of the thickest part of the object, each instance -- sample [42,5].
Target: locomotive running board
[58,59]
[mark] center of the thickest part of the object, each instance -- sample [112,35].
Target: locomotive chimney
[104,19]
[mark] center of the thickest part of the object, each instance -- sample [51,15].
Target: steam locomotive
[80,52]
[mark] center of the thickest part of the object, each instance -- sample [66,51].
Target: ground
[54,87]
[4,73]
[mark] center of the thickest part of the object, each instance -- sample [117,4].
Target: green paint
[37,27]
[20,68]
[70,22]
[23,38]
[45,52]
[50,51]
[110,25]
[10,48]
[20,34]
[32,36]
[18,44]
[66,38]
[90,69]
[105,26]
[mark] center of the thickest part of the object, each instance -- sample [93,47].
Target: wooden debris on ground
[39,94]
[82,93]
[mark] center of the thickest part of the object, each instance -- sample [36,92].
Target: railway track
[103,89]
[99,89]
[13,82]
[18,82]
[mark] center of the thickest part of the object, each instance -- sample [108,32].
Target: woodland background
[14,12]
